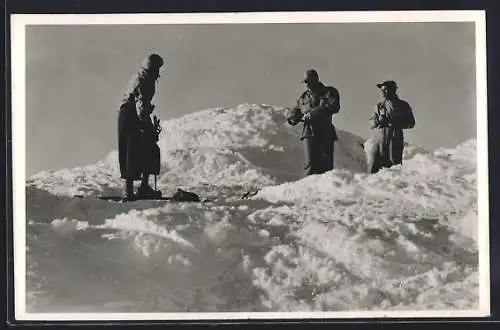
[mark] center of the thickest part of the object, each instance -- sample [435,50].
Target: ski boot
[146,192]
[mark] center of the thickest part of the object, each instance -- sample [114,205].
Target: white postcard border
[19,22]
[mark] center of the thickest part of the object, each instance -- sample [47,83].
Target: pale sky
[76,76]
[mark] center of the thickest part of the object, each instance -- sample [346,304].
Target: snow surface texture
[402,239]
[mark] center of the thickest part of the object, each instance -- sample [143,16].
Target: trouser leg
[328,156]
[374,160]
[371,166]
[397,152]
[129,187]
[308,156]
[145,180]
[313,156]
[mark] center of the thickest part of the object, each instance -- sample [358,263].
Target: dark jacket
[137,149]
[390,118]
[322,105]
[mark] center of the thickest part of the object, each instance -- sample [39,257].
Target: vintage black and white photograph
[250,165]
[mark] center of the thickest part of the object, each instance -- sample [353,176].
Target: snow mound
[249,146]
[386,241]
[102,177]
[246,125]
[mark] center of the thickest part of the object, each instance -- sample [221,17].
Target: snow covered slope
[402,239]
[249,146]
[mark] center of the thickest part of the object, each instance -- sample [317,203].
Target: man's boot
[145,191]
[129,190]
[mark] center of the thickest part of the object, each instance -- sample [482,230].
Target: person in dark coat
[392,115]
[315,108]
[138,153]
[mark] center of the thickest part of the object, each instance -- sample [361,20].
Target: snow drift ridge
[249,146]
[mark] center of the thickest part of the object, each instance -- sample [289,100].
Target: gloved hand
[382,121]
[156,124]
[294,116]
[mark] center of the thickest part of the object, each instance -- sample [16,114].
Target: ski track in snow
[402,239]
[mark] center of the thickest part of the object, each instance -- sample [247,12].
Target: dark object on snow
[179,196]
[146,192]
[111,198]
[391,117]
[185,196]
[317,105]
[249,194]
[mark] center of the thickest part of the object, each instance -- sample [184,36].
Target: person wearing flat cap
[392,115]
[315,108]
[138,153]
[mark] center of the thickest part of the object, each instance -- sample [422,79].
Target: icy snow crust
[402,239]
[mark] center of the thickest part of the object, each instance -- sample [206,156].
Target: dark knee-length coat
[391,117]
[137,149]
[318,133]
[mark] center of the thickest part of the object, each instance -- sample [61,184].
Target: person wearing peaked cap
[392,115]
[315,108]
[388,84]
[138,152]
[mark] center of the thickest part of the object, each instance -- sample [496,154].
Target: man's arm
[329,104]
[410,120]
[295,114]
[404,118]
[143,104]
[374,119]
